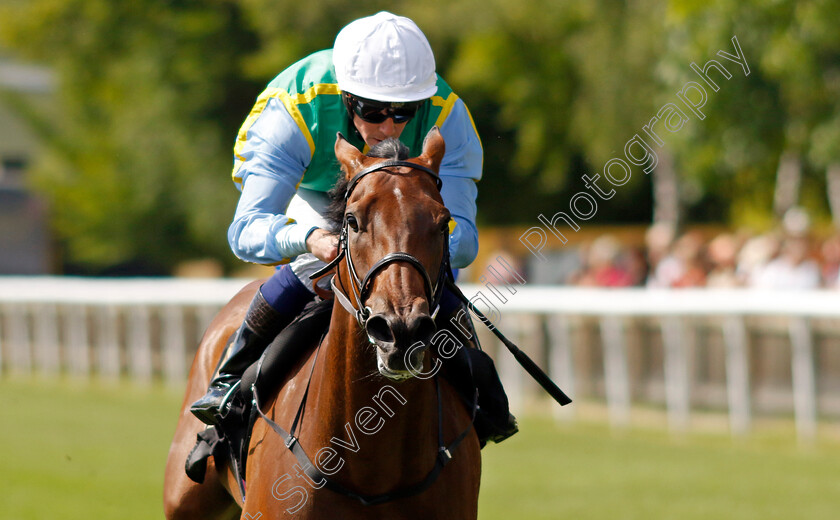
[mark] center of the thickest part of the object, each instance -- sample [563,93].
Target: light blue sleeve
[272,162]
[460,170]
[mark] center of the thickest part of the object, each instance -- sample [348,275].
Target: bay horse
[368,424]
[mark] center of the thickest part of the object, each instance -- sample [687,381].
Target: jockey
[377,82]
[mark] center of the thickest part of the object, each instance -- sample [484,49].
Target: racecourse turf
[79,450]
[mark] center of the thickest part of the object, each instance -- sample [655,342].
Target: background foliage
[152,92]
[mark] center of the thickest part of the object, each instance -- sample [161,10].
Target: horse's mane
[387,149]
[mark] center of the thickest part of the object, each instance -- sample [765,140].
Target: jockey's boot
[499,423]
[494,422]
[262,323]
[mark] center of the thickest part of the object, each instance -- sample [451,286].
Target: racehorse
[370,427]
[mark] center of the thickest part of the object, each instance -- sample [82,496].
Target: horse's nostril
[423,329]
[378,328]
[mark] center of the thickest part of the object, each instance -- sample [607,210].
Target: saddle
[468,370]
[228,441]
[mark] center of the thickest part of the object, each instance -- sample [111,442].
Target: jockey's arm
[269,165]
[460,171]
[271,162]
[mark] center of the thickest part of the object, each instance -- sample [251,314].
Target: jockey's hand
[323,244]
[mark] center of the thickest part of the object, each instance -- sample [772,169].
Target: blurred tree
[136,147]
[511,65]
[152,93]
[616,55]
[556,90]
[783,117]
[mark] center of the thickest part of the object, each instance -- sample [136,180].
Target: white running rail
[149,328]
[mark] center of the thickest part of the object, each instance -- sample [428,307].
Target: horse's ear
[433,149]
[347,154]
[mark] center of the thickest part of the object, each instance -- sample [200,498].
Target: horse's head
[395,232]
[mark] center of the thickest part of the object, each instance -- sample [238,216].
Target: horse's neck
[356,405]
[352,377]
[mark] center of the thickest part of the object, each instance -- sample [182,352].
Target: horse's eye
[352,222]
[444,229]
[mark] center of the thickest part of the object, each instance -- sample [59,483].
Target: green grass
[77,450]
[587,472]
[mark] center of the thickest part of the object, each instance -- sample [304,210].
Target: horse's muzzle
[401,343]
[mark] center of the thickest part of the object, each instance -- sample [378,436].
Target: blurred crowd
[787,259]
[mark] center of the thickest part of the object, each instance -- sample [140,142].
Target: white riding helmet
[385,57]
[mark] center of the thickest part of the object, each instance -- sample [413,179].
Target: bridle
[361,288]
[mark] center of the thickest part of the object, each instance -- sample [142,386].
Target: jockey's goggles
[376,112]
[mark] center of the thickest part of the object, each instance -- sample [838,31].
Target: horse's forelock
[389,149]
